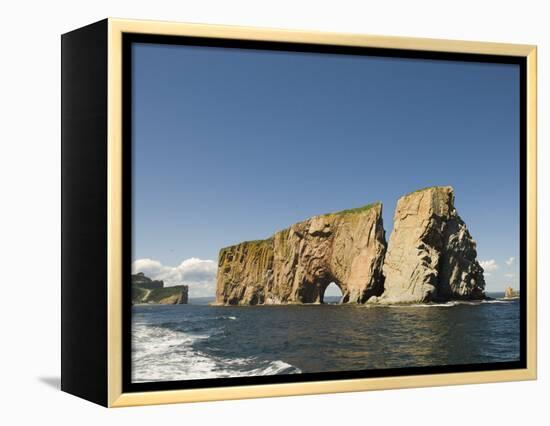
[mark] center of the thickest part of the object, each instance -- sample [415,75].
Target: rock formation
[510,293]
[145,290]
[297,264]
[142,281]
[431,255]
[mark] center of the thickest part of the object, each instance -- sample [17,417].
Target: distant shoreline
[209,301]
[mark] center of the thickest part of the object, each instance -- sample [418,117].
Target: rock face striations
[431,257]
[297,264]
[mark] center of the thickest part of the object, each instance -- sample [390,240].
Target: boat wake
[163,354]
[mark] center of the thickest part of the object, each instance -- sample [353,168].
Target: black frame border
[129,38]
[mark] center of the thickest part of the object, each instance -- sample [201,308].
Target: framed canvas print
[254,212]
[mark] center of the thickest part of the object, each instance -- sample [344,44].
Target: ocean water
[197,341]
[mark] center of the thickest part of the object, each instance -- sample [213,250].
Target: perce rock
[431,255]
[297,264]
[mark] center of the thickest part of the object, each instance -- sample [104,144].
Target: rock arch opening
[332,294]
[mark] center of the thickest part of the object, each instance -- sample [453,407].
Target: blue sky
[232,145]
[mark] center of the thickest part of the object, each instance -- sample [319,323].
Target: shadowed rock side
[297,264]
[431,255]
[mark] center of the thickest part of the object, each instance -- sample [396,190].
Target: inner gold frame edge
[116,27]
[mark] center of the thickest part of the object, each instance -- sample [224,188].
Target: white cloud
[198,274]
[489,265]
[510,261]
[510,275]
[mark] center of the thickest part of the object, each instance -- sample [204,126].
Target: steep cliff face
[431,254]
[297,264]
[431,257]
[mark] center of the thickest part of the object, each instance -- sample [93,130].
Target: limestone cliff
[297,264]
[431,257]
[145,290]
[431,254]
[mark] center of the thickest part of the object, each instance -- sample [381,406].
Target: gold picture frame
[113,31]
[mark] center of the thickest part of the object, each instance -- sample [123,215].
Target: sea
[198,341]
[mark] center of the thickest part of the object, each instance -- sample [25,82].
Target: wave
[449,304]
[229,317]
[162,354]
[425,305]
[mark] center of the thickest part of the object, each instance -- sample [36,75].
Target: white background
[30,211]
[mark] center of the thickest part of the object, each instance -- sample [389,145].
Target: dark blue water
[197,341]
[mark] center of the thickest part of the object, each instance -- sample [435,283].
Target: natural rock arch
[316,293]
[431,257]
[297,264]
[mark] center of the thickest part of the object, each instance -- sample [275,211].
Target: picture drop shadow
[53,382]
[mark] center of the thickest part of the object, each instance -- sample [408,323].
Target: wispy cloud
[198,274]
[489,266]
[510,275]
[510,261]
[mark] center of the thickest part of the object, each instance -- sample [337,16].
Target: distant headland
[145,290]
[431,257]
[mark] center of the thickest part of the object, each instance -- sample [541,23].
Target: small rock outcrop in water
[431,257]
[510,293]
[145,290]
[297,264]
[431,254]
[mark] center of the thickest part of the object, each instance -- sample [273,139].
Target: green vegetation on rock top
[145,290]
[250,243]
[355,210]
[158,294]
[428,188]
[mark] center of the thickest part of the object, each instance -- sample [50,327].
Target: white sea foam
[425,305]
[161,354]
[449,304]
